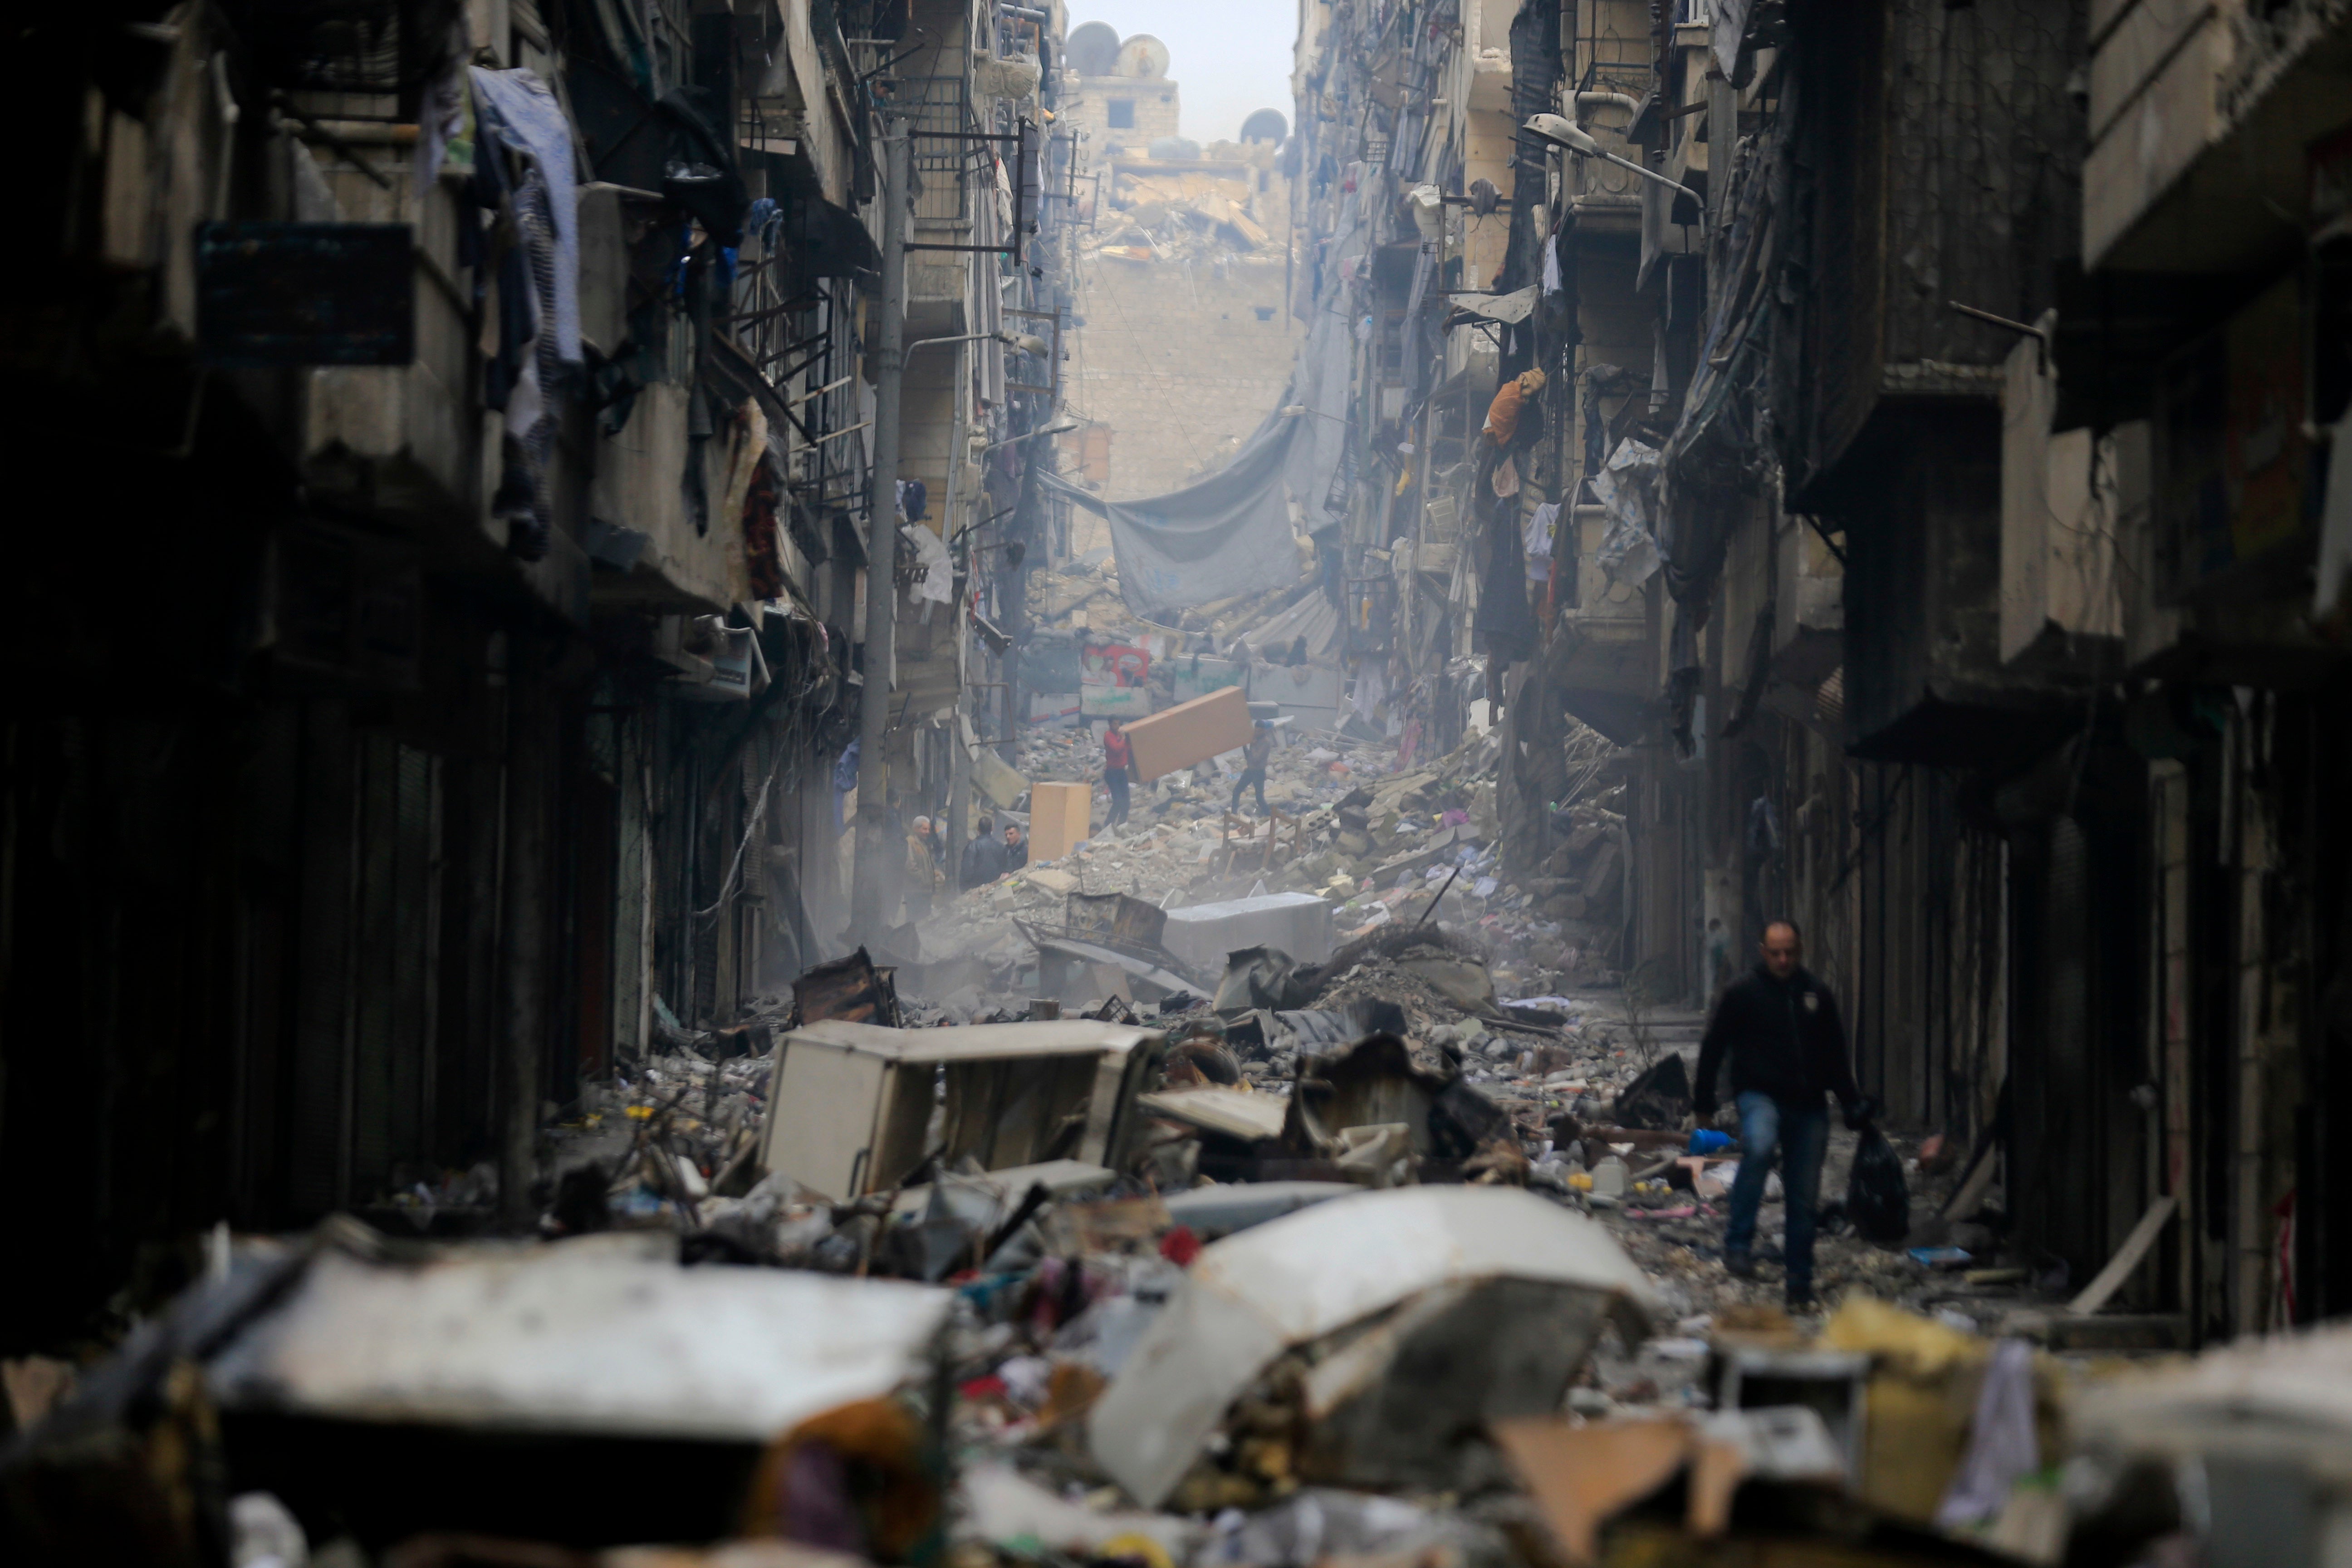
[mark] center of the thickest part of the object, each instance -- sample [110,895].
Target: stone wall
[1181,359]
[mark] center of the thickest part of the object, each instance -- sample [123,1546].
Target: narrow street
[1386,784]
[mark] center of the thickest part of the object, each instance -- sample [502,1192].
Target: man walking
[1117,757]
[1779,1026]
[1253,760]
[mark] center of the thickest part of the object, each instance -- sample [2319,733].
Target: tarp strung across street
[1228,534]
[1231,533]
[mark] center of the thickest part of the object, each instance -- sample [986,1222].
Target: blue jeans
[1801,1138]
[1115,780]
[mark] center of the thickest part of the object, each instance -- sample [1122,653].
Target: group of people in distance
[991,853]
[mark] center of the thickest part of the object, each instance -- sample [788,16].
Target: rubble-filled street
[1178,784]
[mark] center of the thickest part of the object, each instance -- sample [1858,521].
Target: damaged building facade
[493,390]
[1929,493]
[611,1000]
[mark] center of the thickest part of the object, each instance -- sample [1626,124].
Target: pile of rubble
[1177,214]
[1084,594]
[1231,1191]
[1350,1262]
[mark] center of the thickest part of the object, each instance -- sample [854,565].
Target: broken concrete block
[998,781]
[602,1336]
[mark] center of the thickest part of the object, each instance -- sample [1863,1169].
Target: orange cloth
[1503,414]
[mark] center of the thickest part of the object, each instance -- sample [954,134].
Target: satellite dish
[1092,50]
[1142,55]
[1266,125]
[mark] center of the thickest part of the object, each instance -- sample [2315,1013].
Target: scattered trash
[1877,1198]
[1938,1257]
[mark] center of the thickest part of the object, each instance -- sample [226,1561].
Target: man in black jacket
[983,856]
[1779,1027]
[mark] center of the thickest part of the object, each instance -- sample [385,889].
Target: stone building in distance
[1181,346]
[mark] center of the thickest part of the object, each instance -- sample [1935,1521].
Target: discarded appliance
[1117,920]
[1241,1136]
[1298,923]
[850,1105]
[1322,1029]
[1427,1313]
[1005,1188]
[1111,929]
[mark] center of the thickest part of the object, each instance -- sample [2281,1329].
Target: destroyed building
[613,1001]
[494,390]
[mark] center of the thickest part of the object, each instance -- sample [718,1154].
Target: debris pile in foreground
[1345,1261]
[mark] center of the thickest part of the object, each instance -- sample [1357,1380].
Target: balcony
[1486,48]
[1604,658]
[2201,118]
[650,555]
[400,442]
[2062,496]
[950,178]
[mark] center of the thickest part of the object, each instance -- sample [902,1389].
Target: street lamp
[1562,131]
[1030,436]
[1022,341]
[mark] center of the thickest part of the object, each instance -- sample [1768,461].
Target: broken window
[1122,114]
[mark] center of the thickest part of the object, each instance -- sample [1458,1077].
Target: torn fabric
[525,116]
[1228,534]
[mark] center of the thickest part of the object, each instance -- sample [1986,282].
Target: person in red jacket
[1117,757]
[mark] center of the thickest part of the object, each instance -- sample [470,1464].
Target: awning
[1511,307]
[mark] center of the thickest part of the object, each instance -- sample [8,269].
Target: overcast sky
[1228,58]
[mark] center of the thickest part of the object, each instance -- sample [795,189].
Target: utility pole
[872,877]
[531,779]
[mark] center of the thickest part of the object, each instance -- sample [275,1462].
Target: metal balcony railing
[938,111]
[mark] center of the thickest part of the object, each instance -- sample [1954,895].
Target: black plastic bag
[1660,1099]
[1877,1198]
